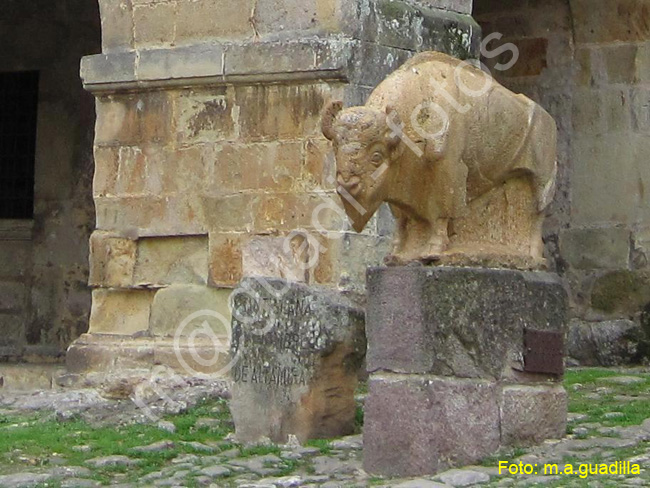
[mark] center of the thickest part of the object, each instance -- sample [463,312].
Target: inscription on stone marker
[270,375]
[279,336]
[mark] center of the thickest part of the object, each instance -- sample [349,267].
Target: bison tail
[547,190]
[543,138]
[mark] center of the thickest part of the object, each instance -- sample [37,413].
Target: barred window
[18,110]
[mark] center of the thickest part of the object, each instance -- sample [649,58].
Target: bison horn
[329,115]
[394,132]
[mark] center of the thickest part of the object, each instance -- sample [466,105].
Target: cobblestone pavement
[606,426]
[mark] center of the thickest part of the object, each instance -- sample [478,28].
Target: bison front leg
[418,239]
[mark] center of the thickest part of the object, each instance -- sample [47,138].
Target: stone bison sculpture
[467,166]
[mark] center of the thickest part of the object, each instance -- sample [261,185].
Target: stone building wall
[44,299]
[587,62]
[209,154]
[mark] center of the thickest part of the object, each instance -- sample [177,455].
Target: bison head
[365,145]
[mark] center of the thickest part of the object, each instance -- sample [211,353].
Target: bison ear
[395,127]
[329,115]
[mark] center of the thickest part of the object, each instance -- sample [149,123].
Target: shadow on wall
[44,298]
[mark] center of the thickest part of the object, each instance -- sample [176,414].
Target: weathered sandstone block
[594,24]
[225,265]
[287,212]
[319,170]
[277,257]
[171,260]
[345,257]
[181,310]
[230,213]
[154,24]
[196,20]
[122,312]
[117,25]
[205,115]
[297,351]
[112,260]
[143,216]
[272,166]
[270,112]
[134,118]
[287,15]
[106,168]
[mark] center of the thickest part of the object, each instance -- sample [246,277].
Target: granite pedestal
[462,361]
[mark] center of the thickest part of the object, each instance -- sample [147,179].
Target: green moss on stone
[440,30]
[459,41]
[395,9]
[621,291]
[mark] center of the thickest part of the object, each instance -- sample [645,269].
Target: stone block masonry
[462,361]
[609,215]
[587,63]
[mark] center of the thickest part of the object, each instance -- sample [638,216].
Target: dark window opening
[18,110]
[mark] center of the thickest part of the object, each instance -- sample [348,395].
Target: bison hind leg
[502,227]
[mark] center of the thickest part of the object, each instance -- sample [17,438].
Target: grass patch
[358,419]
[322,444]
[376,481]
[29,442]
[246,452]
[503,455]
[289,466]
[581,383]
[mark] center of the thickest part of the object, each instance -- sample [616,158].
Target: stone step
[29,376]
[186,356]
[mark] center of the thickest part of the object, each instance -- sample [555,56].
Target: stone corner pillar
[462,361]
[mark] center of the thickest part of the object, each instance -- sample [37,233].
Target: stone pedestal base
[296,351]
[462,361]
[95,357]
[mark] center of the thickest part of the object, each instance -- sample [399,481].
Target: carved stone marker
[296,351]
[449,382]
[466,165]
